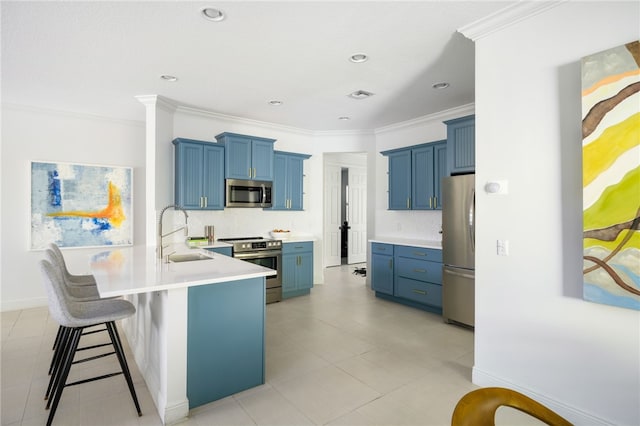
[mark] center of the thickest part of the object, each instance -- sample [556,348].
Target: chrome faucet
[161,246]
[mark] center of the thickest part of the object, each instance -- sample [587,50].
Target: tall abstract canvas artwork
[76,205]
[611,176]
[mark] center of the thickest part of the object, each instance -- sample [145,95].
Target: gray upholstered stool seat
[74,316]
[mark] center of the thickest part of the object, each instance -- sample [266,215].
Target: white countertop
[136,269]
[432,244]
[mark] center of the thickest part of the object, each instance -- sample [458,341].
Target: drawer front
[288,248]
[433,255]
[418,291]
[421,270]
[382,248]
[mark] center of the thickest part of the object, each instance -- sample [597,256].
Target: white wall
[533,330]
[44,135]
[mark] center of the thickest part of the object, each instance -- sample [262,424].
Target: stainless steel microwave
[247,193]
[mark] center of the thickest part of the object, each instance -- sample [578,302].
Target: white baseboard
[574,415]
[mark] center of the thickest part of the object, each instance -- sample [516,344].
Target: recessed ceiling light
[213,14]
[275,103]
[360,94]
[167,77]
[442,85]
[344,118]
[358,57]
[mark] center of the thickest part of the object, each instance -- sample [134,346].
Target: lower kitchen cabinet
[408,275]
[297,268]
[222,250]
[225,339]
[382,268]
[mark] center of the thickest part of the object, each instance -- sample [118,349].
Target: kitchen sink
[188,257]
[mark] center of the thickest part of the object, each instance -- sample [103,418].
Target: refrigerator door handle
[472,220]
[458,274]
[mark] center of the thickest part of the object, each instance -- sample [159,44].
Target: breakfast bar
[198,332]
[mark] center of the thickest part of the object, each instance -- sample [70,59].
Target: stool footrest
[93,379]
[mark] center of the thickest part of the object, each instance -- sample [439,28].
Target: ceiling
[95,57]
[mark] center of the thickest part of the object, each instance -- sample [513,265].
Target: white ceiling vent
[360,94]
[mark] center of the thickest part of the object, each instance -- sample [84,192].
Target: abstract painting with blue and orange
[75,205]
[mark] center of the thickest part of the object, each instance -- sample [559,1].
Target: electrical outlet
[502,247]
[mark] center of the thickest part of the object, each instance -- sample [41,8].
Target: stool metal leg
[117,344]
[64,373]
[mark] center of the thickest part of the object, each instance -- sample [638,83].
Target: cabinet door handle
[435,202]
[419,253]
[420,270]
[390,263]
[424,293]
[430,202]
[201,202]
[408,202]
[254,172]
[206,201]
[249,172]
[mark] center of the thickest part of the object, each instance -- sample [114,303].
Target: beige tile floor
[337,357]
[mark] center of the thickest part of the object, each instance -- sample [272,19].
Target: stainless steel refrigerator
[458,249]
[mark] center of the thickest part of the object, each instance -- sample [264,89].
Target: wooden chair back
[478,408]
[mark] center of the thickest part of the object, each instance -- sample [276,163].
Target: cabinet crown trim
[405,148]
[296,154]
[255,138]
[186,140]
[459,119]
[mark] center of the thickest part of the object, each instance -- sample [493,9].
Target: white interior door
[357,215]
[332,187]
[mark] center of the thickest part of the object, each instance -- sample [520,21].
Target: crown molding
[235,119]
[506,17]
[73,114]
[440,116]
[158,101]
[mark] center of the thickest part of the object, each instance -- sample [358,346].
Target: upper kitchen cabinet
[287,183]
[414,176]
[199,174]
[461,145]
[247,157]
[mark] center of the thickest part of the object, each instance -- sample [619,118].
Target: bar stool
[76,316]
[77,293]
[77,280]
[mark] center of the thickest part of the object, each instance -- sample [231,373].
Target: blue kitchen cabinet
[287,192]
[461,145]
[415,173]
[247,157]
[228,357]
[418,275]
[439,171]
[399,179]
[227,251]
[408,275]
[297,268]
[199,174]
[382,268]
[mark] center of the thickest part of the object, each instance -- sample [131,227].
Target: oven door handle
[257,255]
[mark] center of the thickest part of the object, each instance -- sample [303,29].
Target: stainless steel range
[264,252]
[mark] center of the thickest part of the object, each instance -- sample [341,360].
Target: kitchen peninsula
[198,332]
